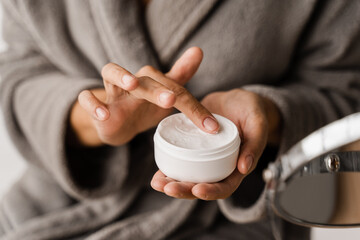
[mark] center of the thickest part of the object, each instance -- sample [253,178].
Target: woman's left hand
[258,121]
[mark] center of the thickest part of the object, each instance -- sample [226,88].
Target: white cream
[186,153]
[182,132]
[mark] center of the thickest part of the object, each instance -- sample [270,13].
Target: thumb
[254,142]
[186,66]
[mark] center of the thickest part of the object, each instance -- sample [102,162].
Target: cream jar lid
[179,136]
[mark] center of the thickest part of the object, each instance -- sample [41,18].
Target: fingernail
[210,124]
[249,162]
[127,80]
[164,97]
[100,113]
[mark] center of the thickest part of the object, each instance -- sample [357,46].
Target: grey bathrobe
[303,55]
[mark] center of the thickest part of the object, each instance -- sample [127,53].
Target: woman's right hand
[132,104]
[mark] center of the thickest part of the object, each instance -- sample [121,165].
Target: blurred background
[12,165]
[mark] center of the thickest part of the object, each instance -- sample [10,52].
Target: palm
[246,110]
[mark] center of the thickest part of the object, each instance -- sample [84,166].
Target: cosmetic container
[186,153]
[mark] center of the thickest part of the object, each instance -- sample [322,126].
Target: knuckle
[144,79]
[195,109]
[83,95]
[107,68]
[116,72]
[183,96]
[145,70]
[180,91]
[263,122]
[112,71]
[86,100]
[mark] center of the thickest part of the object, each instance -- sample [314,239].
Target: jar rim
[223,149]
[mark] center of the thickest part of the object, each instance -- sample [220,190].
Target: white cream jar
[186,153]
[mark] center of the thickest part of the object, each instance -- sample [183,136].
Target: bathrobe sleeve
[36,98]
[323,83]
[322,86]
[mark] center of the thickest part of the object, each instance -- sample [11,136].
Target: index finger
[185,101]
[119,76]
[194,110]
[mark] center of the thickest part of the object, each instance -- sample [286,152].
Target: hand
[258,121]
[132,104]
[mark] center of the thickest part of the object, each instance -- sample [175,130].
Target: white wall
[12,165]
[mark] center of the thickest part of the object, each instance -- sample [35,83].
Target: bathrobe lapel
[118,23]
[170,23]
[124,41]
[127,44]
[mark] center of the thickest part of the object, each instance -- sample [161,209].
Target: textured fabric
[303,55]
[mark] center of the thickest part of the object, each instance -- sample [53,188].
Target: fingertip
[158,181]
[102,113]
[245,164]
[83,95]
[199,192]
[129,82]
[157,185]
[172,190]
[197,51]
[93,106]
[204,192]
[211,125]
[186,66]
[179,190]
[166,99]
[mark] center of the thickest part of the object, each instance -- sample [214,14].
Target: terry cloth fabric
[303,55]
